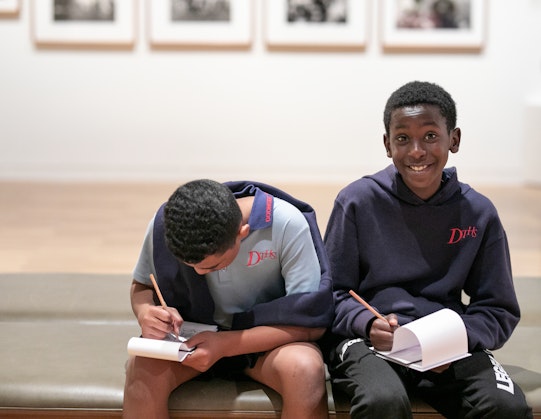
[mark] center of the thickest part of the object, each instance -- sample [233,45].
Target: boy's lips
[418,167]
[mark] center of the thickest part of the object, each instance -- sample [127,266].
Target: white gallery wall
[147,114]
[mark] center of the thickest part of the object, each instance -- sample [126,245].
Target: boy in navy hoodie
[246,257]
[409,240]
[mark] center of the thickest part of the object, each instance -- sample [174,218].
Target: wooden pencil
[160,297]
[368,306]
[158,292]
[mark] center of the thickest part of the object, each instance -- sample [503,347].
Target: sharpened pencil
[160,297]
[368,306]
[158,292]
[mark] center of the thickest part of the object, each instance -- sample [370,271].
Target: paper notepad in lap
[429,342]
[168,349]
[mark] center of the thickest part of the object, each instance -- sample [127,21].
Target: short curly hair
[201,218]
[417,93]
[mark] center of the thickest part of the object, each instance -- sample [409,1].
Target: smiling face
[419,143]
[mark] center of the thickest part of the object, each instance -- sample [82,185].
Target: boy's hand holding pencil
[169,317]
[368,306]
[381,332]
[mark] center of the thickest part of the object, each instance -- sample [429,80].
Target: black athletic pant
[473,387]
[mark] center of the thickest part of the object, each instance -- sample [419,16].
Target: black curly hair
[202,218]
[416,93]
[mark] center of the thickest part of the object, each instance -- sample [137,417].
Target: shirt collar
[262,210]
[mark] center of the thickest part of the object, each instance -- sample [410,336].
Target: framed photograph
[199,24]
[86,23]
[433,25]
[9,8]
[312,24]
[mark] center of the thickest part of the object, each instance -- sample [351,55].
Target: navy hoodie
[187,291]
[413,257]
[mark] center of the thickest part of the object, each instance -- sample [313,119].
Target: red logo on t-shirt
[255,257]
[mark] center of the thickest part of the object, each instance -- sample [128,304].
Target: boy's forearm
[140,295]
[265,338]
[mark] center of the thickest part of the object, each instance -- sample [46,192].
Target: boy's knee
[136,386]
[506,408]
[381,404]
[147,377]
[378,398]
[313,362]
[302,377]
[309,369]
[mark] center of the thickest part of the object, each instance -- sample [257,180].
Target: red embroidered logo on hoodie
[458,234]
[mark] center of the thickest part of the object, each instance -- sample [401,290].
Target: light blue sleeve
[145,264]
[298,258]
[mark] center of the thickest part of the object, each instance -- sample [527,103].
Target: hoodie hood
[390,181]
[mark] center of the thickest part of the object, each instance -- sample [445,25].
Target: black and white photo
[433,25]
[201,10]
[214,24]
[83,23]
[316,24]
[317,11]
[82,10]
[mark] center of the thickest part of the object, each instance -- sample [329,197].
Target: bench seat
[63,353]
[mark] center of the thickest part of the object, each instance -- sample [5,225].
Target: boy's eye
[401,138]
[431,136]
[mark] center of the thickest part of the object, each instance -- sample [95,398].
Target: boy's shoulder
[382,179]
[477,199]
[285,212]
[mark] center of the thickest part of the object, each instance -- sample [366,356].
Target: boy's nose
[417,150]
[202,271]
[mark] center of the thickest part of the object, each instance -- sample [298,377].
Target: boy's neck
[245,205]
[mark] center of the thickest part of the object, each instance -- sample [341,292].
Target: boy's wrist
[369,327]
[362,324]
[141,311]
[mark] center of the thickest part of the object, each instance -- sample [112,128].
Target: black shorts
[231,368]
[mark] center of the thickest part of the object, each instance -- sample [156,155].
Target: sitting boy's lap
[285,359]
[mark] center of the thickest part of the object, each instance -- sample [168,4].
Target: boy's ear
[387,145]
[244,231]
[455,140]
